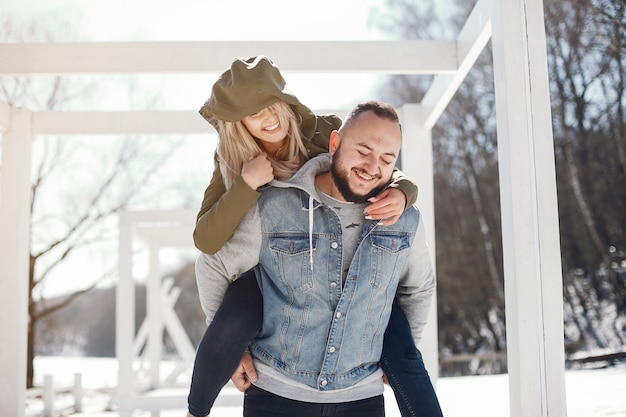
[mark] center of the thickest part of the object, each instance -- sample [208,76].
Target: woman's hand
[245,373]
[387,206]
[257,171]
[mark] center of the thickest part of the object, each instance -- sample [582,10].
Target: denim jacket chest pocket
[388,251]
[292,254]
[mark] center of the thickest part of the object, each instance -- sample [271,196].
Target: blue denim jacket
[316,330]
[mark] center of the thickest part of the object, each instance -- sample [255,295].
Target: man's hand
[245,374]
[387,206]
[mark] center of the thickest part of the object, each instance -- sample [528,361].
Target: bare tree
[73,206]
[586,51]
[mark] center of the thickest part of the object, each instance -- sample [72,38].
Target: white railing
[50,396]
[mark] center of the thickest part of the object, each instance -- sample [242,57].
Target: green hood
[250,85]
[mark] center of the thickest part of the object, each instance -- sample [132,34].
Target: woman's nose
[267,112]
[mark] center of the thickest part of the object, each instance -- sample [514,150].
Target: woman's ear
[333,143]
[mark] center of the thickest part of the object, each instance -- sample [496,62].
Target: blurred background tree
[72,213]
[587,60]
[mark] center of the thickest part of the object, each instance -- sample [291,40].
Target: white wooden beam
[174,235]
[530,224]
[135,122]
[386,57]
[141,217]
[471,41]
[14,258]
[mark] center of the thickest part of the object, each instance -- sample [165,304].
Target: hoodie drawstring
[311,230]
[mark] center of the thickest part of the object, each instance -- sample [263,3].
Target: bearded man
[329,277]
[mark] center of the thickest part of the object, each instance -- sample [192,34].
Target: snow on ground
[589,392]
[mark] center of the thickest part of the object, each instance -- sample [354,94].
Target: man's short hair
[380,108]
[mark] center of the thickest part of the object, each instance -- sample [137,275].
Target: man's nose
[371,164]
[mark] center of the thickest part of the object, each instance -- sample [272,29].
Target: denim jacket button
[324,383]
[332,349]
[339,315]
[334,245]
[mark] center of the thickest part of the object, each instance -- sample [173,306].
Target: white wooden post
[14,257]
[125,317]
[155,320]
[530,233]
[48,396]
[153,314]
[78,392]
[417,163]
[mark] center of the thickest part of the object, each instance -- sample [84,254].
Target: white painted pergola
[525,149]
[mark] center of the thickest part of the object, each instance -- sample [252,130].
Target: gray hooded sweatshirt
[242,252]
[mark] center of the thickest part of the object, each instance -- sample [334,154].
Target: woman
[266,133]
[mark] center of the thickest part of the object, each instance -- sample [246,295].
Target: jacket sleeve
[325,124]
[221,211]
[211,286]
[417,283]
[214,273]
[405,184]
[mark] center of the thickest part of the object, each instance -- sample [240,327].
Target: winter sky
[191,20]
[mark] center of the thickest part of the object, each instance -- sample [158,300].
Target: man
[328,276]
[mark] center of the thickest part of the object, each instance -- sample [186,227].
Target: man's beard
[340,175]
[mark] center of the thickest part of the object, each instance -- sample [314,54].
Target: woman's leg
[404,367]
[235,324]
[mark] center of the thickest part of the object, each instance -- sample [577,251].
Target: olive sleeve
[221,211]
[405,184]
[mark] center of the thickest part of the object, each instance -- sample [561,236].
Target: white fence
[52,401]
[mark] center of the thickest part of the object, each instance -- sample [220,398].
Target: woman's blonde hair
[236,145]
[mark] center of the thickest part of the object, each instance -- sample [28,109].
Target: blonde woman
[266,133]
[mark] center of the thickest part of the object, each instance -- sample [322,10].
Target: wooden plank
[135,122]
[383,57]
[127,123]
[612,358]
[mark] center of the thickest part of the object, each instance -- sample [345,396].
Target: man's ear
[333,144]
